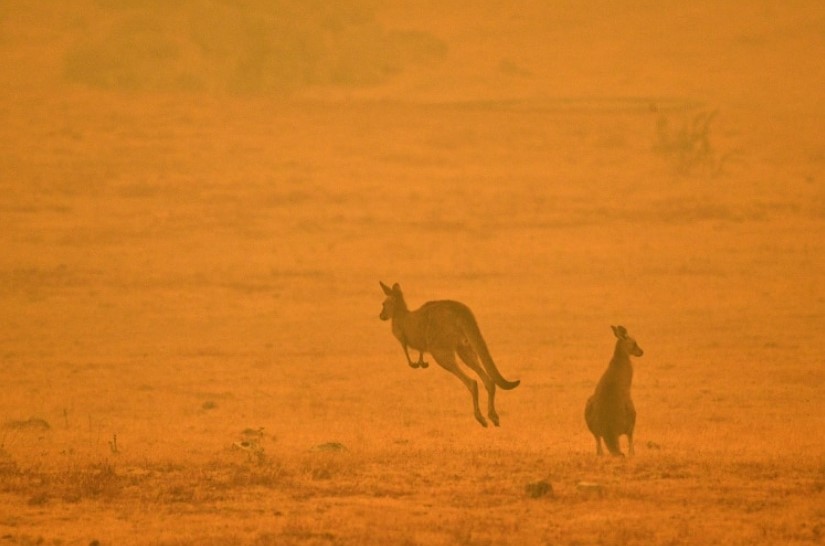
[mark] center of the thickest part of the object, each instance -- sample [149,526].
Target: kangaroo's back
[454,326]
[444,320]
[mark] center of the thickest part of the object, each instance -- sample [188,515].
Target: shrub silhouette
[251,46]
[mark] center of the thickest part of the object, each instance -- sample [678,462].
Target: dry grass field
[198,201]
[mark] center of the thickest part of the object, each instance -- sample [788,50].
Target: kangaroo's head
[626,344]
[394,300]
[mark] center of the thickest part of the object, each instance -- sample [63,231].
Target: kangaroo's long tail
[473,334]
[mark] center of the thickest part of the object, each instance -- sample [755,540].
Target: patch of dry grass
[413,497]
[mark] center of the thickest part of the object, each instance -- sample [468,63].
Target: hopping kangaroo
[444,328]
[610,412]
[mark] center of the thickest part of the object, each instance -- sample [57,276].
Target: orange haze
[198,200]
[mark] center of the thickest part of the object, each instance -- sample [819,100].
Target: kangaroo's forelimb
[421,362]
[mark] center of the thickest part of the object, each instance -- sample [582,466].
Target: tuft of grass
[686,144]
[541,488]
[271,474]
[73,484]
[88,482]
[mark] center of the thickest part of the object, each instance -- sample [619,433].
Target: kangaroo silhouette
[610,411]
[444,328]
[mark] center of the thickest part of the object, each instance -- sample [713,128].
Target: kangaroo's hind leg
[446,359]
[469,356]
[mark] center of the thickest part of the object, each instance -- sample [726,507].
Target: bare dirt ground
[189,270]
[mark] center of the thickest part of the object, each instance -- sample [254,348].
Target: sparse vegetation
[685,142]
[254,47]
[71,484]
[307,497]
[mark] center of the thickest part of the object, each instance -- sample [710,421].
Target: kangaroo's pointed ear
[387,290]
[396,288]
[620,331]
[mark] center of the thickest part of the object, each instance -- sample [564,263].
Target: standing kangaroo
[610,412]
[444,328]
